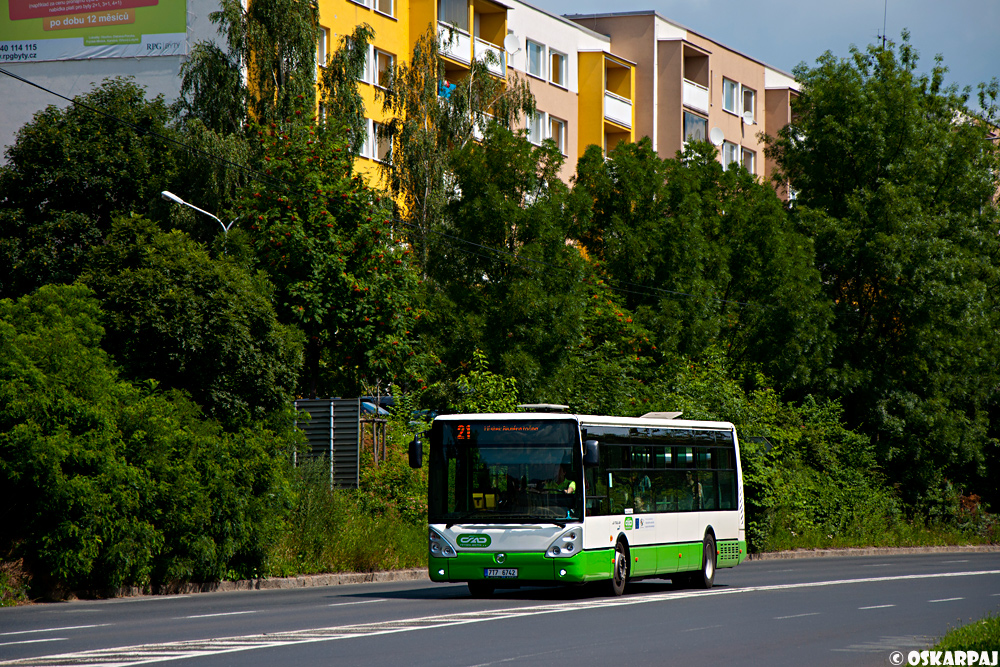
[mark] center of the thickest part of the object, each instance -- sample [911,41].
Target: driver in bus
[561,483]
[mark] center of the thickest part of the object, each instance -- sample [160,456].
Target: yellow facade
[607,114]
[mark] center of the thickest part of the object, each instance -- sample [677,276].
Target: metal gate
[334,433]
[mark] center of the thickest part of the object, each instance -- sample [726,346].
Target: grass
[981,635]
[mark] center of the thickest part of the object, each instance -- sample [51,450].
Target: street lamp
[170,196]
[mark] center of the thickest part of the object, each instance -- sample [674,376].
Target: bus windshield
[505,472]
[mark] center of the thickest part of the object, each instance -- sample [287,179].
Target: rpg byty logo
[474,541]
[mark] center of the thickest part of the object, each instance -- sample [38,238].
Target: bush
[981,635]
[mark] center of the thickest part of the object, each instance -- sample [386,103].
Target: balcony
[695,96]
[454,43]
[617,109]
[496,65]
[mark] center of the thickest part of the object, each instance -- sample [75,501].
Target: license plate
[499,573]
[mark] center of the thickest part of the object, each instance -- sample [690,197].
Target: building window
[383,68]
[730,92]
[536,127]
[557,133]
[536,59]
[454,12]
[749,160]
[385,7]
[695,127]
[381,146]
[557,68]
[322,46]
[730,154]
[749,100]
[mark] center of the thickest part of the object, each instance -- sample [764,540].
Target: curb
[419,574]
[874,551]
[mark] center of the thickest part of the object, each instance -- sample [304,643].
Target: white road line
[35,641]
[957,561]
[781,618]
[227,613]
[148,653]
[707,627]
[878,606]
[878,565]
[68,627]
[946,600]
[344,604]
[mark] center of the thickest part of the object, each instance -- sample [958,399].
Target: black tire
[709,555]
[619,570]
[481,589]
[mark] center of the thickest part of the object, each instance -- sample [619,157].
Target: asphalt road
[822,611]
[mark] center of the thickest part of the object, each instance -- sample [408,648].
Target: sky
[784,33]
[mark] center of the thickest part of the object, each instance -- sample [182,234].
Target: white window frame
[536,128]
[376,70]
[323,46]
[753,101]
[559,135]
[541,73]
[730,154]
[748,159]
[563,69]
[363,3]
[366,145]
[730,104]
[376,144]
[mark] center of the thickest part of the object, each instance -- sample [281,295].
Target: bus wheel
[481,589]
[619,572]
[708,554]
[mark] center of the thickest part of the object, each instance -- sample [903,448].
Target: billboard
[38,30]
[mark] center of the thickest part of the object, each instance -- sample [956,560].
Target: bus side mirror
[416,452]
[590,457]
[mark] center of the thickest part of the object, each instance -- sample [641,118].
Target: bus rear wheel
[706,578]
[619,572]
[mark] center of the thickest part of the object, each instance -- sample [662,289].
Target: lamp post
[170,196]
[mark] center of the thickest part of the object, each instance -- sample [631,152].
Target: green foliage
[704,257]
[325,240]
[981,635]
[338,84]
[203,326]
[70,172]
[106,485]
[13,583]
[897,184]
[334,530]
[481,390]
[501,276]
[269,64]
[424,130]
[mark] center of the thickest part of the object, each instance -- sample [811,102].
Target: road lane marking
[878,606]
[344,604]
[68,627]
[878,565]
[34,641]
[781,618]
[707,627]
[225,613]
[956,561]
[148,653]
[946,600]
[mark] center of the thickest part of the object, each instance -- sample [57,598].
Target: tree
[204,326]
[70,172]
[424,127]
[107,484]
[269,64]
[325,239]
[501,277]
[704,257]
[896,182]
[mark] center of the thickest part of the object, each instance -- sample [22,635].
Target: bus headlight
[567,544]
[438,546]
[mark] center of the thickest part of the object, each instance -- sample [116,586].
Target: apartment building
[688,86]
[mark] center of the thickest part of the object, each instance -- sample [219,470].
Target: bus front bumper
[512,569]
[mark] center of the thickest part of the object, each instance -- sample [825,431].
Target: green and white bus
[544,498]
